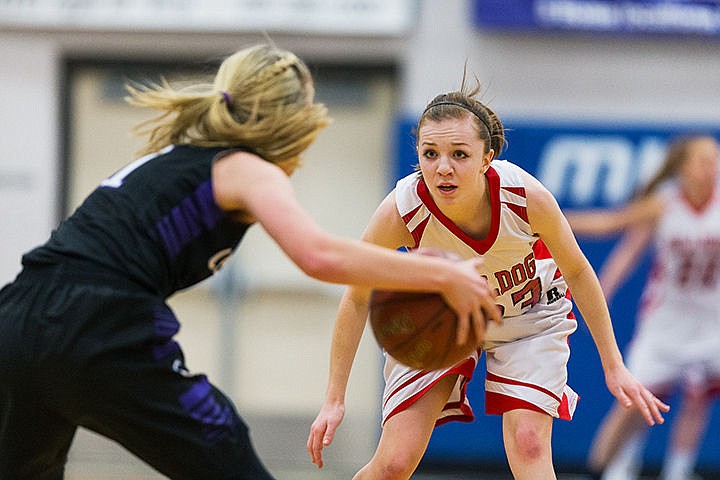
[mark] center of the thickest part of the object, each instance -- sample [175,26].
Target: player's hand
[474,302]
[322,430]
[630,392]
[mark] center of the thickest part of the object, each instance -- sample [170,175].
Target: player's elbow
[319,259]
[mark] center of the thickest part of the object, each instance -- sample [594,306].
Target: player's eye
[459,154]
[429,153]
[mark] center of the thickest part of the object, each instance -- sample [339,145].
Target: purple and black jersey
[154,222]
[87,338]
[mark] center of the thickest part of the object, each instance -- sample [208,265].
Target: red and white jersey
[678,334]
[527,355]
[516,262]
[686,272]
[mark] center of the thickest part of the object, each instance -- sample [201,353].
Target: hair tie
[461,105]
[226,96]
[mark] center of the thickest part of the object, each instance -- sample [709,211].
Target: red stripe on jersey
[564,409]
[480,246]
[516,190]
[464,369]
[509,381]
[497,404]
[412,379]
[540,251]
[466,414]
[418,231]
[518,210]
[408,216]
[462,417]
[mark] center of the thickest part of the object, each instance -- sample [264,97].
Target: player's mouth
[447,188]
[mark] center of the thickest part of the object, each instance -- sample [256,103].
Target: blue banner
[685,17]
[584,166]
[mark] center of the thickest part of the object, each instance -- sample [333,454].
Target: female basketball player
[86,338]
[465,201]
[678,334]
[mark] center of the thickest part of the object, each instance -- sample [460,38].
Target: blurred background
[590,92]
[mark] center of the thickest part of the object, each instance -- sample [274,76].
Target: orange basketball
[418,328]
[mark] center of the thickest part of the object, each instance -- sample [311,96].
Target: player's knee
[399,467]
[528,444]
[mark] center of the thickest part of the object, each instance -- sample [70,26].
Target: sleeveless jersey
[677,338]
[526,356]
[154,222]
[686,268]
[515,260]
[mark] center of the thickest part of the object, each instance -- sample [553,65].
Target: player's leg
[34,438]
[406,434]
[618,444]
[687,432]
[627,462]
[526,383]
[34,442]
[132,387]
[619,426]
[181,425]
[527,437]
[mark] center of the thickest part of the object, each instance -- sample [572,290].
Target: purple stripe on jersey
[209,213]
[189,219]
[166,326]
[218,421]
[165,349]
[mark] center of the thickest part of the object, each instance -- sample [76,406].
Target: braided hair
[261,99]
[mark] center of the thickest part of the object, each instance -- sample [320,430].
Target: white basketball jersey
[678,337]
[527,355]
[516,262]
[686,272]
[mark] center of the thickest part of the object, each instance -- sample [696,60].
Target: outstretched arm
[246,183]
[347,333]
[604,222]
[624,257]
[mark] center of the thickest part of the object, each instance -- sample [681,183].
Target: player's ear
[487,158]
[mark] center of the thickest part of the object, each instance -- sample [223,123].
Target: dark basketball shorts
[79,349]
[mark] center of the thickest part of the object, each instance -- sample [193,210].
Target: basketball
[418,328]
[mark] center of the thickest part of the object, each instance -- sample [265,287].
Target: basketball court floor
[96,458]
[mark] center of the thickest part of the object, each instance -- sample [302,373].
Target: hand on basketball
[630,392]
[476,308]
[322,430]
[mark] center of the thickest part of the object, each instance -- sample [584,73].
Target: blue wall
[584,166]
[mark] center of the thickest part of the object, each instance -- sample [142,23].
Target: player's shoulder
[406,192]
[509,173]
[409,181]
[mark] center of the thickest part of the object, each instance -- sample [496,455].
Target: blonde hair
[261,99]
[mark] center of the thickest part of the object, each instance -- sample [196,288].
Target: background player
[678,332]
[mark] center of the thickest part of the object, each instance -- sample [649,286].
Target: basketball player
[678,333]
[86,337]
[464,200]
